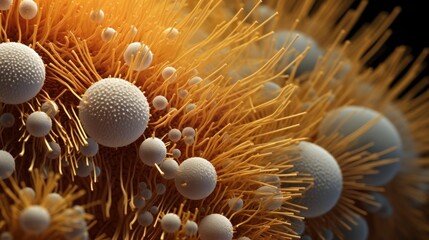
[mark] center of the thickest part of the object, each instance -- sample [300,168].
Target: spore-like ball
[38,124]
[382,135]
[271,196]
[50,108]
[5,4]
[174,135]
[145,219]
[235,203]
[22,73]
[152,151]
[28,9]
[7,120]
[190,228]
[7,164]
[215,227]
[91,149]
[359,231]
[169,167]
[138,55]
[328,180]
[56,150]
[34,219]
[160,102]
[114,112]
[170,223]
[196,178]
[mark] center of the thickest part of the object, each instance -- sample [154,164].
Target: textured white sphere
[34,219]
[215,227]
[170,223]
[5,4]
[190,228]
[196,178]
[382,135]
[309,61]
[114,112]
[22,73]
[169,167]
[152,151]
[38,124]
[91,149]
[144,58]
[359,231]
[328,180]
[28,9]
[7,164]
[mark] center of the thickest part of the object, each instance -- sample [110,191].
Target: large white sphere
[22,73]
[215,227]
[196,178]
[7,164]
[383,135]
[114,112]
[34,219]
[309,61]
[328,180]
[152,151]
[38,124]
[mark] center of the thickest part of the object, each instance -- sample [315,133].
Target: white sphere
[22,73]
[145,219]
[50,108]
[171,33]
[195,80]
[270,91]
[169,167]
[215,227]
[328,180]
[174,135]
[190,228]
[108,34]
[160,102]
[28,193]
[38,124]
[154,210]
[28,9]
[91,149]
[7,164]
[176,153]
[359,231]
[383,135]
[196,178]
[5,4]
[170,223]
[169,73]
[309,61]
[96,15]
[272,197]
[152,151]
[53,199]
[7,120]
[235,203]
[139,202]
[188,132]
[144,58]
[56,150]
[114,112]
[34,219]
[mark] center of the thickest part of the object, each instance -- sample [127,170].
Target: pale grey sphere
[38,124]
[7,164]
[359,231]
[215,227]
[34,219]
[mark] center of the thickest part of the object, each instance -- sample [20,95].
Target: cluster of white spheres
[196,178]
[309,61]
[152,151]
[328,180]
[7,164]
[28,9]
[22,73]
[170,223]
[382,135]
[138,55]
[114,112]
[38,124]
[34,219]
[214,227]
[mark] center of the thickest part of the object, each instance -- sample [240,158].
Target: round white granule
[190,228]
[34,219]
[7,120]
[182,93]
[28,9]
[170,223]
[176,153]
[195,80]
[152,151]
[145,219]
[22,73]
[188,132]
[169,73]
[7,164]
[171,33]
[169,167]
[114,112]
[108,34]
[89,150]
[215,227]
[56,150]
[38,124]
[154,210]
[146,194]
[138,55]
[28,193]
[196,178]
[50,108]
[139,202]
[189,140]
[174,135]
[96,15]
[160,102]
[235,203]
[54,199]
[84,170]
[190,107]
[5,4]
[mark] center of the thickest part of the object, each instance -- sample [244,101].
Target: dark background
[411,27]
